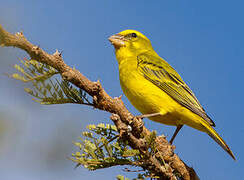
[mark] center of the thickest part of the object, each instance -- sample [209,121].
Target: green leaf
[19,77]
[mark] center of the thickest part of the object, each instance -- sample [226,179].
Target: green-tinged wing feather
[160,73]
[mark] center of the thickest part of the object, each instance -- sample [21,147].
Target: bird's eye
[133,35]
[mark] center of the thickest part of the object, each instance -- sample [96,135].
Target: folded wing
[161,74]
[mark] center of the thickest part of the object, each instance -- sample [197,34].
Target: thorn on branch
[57,53]
[19,34]
[119,100]
[94,100]
[120,97]
[129,128]
[98,84]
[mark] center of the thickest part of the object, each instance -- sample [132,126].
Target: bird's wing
[161,74]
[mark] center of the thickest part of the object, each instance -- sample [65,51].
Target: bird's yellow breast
[147,97]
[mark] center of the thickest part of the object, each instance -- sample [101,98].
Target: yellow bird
[156,89]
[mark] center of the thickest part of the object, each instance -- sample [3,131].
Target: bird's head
[130,42]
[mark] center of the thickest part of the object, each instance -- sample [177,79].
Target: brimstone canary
[156,89]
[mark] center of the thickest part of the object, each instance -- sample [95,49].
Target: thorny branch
[129,127]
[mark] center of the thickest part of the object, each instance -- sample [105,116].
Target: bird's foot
[148,115]
[178,128]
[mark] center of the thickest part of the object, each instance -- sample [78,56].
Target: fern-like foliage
[100,147]
[48,89]
[120,177]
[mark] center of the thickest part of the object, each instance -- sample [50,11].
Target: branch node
[115,117]
[36,49]
[122,128]
[67,75]
[138,143]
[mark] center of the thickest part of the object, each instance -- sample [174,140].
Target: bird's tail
[216,137]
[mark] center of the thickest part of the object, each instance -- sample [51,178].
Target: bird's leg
[148,115]
[175,133]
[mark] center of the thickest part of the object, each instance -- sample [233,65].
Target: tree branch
[129,127]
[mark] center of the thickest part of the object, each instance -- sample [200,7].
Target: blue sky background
[203,40]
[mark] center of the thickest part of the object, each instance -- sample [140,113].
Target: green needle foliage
[48,89]
[100,147]
[120,177]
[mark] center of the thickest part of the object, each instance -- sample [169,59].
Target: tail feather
[216,137]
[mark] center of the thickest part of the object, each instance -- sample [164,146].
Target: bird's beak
[117,40]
